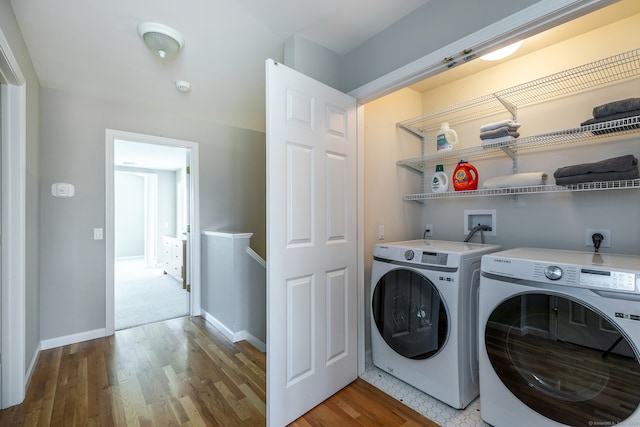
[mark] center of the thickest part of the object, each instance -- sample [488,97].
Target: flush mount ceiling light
[164,41]
[502,53]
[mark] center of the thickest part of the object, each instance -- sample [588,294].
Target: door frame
[194,207]
[13,259]
[13,375]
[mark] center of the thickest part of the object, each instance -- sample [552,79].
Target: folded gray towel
[614,164]
[500,132]
[615,116]
[496,125]
[615,107]
[598,177]
[618,116]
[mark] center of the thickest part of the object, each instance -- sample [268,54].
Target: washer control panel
[416,256]
[434,258]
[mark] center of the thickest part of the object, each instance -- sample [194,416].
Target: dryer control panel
[613,280]
[566,268]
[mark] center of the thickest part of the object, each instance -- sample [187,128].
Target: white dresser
[175,256]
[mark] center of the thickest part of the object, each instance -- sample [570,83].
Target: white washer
[559,338]
[424,315]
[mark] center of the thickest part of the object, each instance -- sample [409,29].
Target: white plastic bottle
[446,138]
[440,181]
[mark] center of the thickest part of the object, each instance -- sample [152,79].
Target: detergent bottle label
[461,177]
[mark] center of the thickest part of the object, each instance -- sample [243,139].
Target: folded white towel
[517,180]
[496,125]
[488,143]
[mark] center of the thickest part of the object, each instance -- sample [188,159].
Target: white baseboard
[218,325]
[73,339]
[32,365]
[257,343]
[235,336]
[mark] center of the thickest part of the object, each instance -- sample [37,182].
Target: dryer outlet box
[473,218]
[606,234]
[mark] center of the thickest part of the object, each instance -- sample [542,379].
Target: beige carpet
[146,295]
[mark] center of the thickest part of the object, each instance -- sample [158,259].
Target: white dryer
[424,315]
[559,338]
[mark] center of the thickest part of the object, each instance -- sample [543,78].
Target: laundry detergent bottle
[465,177]
[440,181]
[447,138]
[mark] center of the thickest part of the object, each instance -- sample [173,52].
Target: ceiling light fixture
[502,53]
[164,41]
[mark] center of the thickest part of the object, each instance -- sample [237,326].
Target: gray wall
[12,33]
[434,25]
[128,213]
[232,195]
[234,286]
[129,210]
[313,60]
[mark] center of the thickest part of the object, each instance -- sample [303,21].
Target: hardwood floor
[361,404]
[180,372]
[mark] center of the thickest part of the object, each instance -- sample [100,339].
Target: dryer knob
[553,272]
[409,255]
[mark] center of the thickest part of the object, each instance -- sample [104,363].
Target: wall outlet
[381,232]
[588,240]
[428,230]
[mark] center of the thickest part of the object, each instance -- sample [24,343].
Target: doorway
[146,226]
[151,214]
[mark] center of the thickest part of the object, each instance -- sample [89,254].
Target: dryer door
[563,359]
[410,314]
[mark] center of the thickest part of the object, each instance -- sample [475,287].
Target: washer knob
[408,255]
[553,272]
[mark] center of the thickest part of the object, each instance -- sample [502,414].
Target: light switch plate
[97,234]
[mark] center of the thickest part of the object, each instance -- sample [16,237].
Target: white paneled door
[311,243]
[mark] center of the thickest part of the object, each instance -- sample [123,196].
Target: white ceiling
[145,156]
[93,48]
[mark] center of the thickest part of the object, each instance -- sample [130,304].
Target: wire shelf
[592,132]
[608,70]
[512,191]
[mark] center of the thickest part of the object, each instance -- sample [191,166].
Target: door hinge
[188,170]
[188,228]
[188,288]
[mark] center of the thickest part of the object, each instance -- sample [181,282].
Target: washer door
[563,359]
[410,314]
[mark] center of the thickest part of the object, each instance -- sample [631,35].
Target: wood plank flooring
[181,372]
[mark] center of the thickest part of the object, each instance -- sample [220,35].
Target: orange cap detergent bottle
[465,177]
